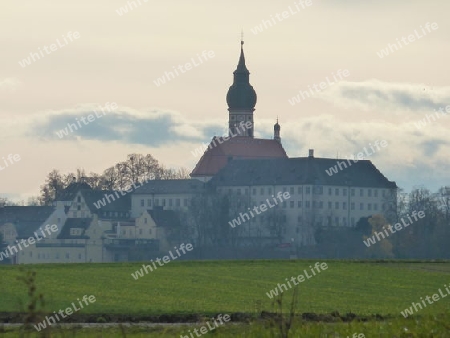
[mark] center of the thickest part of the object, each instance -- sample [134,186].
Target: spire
[276,132]
[241,94]
[241,97]
[241,68]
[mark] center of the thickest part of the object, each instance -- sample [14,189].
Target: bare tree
[53,184]
[276,222]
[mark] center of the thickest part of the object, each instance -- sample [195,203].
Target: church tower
[241,100]
[276,132]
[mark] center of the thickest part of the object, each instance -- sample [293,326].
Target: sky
[92,54]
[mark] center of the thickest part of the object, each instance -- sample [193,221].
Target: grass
[211,287]
[435,327]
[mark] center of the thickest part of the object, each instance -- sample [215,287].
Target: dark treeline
[135,168]
[424,238]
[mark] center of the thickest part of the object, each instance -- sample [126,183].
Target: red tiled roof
[218,154]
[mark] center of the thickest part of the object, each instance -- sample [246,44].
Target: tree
[3,246]
[53,184]
[382,248]
[276,222]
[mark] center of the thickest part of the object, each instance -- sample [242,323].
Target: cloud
[386,97]
[10,84]
[152,127]
[409,152]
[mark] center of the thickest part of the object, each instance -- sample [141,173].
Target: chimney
[311,153]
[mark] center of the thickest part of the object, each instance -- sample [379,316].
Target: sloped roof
[165,218]
[26,219]
[301,170]
[184,186]
[73,223]
[71,190]
[119,204]
[217,155]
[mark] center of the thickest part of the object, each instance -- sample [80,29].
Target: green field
[212,287]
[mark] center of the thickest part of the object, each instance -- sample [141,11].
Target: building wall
[311,206]
[143,202]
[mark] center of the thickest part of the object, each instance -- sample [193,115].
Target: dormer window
[76,232]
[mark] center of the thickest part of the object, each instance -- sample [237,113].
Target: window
[140,231]
[79,207]
[320,204]
[352,191]
[329,191]
[361,206]
[142,203]
[149,202]
[291,190]
[361,192]
[336,220]
[292,204]
[329,205]
[344,192]
[79,199]
[185,202]
[79,256]
[300,190]
[177,202]
[318,190]
[336,191]
[254,191]
[375,192]
[308,190]
[375,206]
[369,192]
[246,191]
[344,205]
[307,204]
[145,220]
[170,202]
[353,206]
[270,191]
[384,193]
[336,205]
[156,202]
[314,204]
[369,206]
[344,221]
[67,255]
[383,206]
[239,191]
[163,202]
[261,191]
[75,232]
[299,204]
